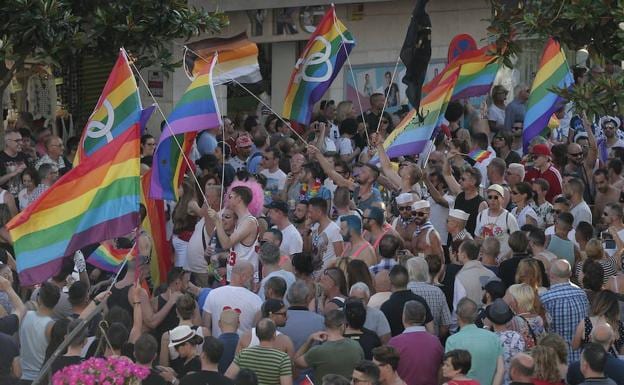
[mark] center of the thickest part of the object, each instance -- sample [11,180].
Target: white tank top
[241,252]
[254,338]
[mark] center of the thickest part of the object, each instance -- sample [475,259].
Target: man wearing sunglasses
[583,164]
[426,239]
[404,223]
[543,168]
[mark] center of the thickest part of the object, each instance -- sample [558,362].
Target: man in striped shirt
[272,366]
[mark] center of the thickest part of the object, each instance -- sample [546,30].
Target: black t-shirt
[154,379]
[8,165]
[393,309]
[9,324]
[194,365]
[507,270]
[8,352]
[470,206]
[62,362]
[368,340]
[448,283]
[205,377]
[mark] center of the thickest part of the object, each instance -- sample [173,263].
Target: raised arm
[18,306]
[329,170]
[386,166]
[451,182]
[592,152]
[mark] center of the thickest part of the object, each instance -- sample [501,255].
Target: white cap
[404,198]
[421,204]
[459,214]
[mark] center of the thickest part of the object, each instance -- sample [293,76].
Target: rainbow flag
[95,201]
[154,225]
[238,59]
[553,72]
[411,136]
[479,155]
[196,110]
[477,70]
[118,109]
[109,258]
[315,70]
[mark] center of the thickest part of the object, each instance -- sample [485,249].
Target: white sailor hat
[459,214]
[421,204]
[404,198]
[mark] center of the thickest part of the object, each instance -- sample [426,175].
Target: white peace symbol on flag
[97,129]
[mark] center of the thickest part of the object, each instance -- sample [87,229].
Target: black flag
[416,52]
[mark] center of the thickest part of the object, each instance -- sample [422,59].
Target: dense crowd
[330,263]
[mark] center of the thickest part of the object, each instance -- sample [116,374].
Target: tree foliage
[592,24]
[57,30]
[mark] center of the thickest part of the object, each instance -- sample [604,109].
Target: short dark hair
[319,203]
[369,369]
[117,335]
[77,293]
[303,263]
[348,126]
[244,193]
[145,349]
[460,360]
[414,312]
[265,329]
[454,111]
[585,229]
[603,172]
[49,294]
[387,355]
[615,165]
[246,377]
[389,245]
[278,285]
[537,236]
[174,274]
[593,275]
[355,313]
[399,276]
[213,349]
[277,233]
[518,241]
[334,379]
[145,138]
[566,218]
[471,248]
[334,319]
[543,183]
[595,356]
[481,140]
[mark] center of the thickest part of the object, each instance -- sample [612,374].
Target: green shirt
[334,357]
[484,346]
[269,364]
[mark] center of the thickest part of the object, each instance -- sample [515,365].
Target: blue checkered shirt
[385,264]
[566,305]
[436,300]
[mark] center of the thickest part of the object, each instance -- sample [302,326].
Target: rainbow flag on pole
[118,109]
[411,136]
[155,224]
[315,70]
[238,59]
[479,155]
[195,111]
[477,70]
[553,72]
[95,201]
[109,258]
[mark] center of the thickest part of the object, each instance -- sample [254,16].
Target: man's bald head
[574,148]
[521,368]
[602,333]
[560,270]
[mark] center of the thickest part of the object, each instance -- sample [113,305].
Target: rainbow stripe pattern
[109,258]
[411,136]
[154,225]
[479,155]
[319,64]
[117,110]
[477,71]
[95,201]
[195,111]
[553,72]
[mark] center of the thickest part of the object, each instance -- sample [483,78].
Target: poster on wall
[376,78]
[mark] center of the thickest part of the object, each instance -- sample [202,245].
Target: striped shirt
[268,364]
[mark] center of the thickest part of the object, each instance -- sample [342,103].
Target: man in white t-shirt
[323,239]
[573,190]
[291,239]
[236,296]
[496,110]
[276,178]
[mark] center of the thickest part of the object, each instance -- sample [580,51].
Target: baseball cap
[541,149]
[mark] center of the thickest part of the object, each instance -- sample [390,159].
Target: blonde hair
[524,296]
[343,110]
[529,272]
[594,249]
[546,364]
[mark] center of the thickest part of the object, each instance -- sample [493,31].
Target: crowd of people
[330,263]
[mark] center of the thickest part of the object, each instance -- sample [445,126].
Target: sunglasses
[404,208]
[517,128]
[492,197]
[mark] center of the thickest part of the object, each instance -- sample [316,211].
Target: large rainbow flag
[95,201]
[553,72]
[315,70]
[118,108]
[477,71]
[411,136]
[195,111]
[238,59]
[154,225]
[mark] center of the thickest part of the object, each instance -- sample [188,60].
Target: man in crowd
[278,213]
[12,162]
[276,178]
[301,322]
[420,351]
[515,110]
[426,239]
[243,150]
[544,169]
[605,193]
[323,239]
[404,223]
[468,280]
[270,258]
[579,208]
[521,369]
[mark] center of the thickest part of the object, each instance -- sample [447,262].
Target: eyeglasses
[576,154]
[404,208]
[492,197]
